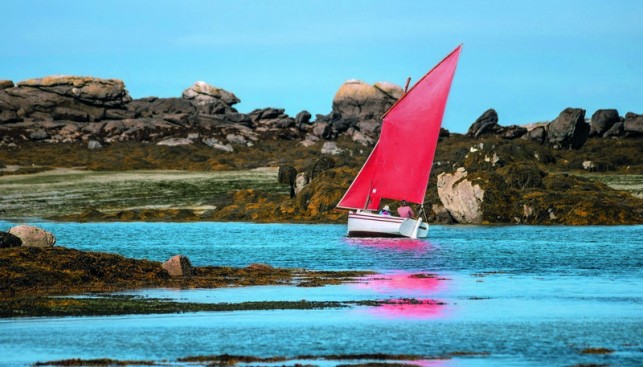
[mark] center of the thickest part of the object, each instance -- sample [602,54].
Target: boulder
[602,121]
[8,240]
[172,142]
[178,266]
[487,123]
[537,134]
[153,106]
[302,118]
[216,144]
[33,236]
[94,144]
[330,147]
[365,101]
[4,84]
[616,130]
[209,99]
[569,130]
[461,197]
[633,124]
[512,132]
[71,98]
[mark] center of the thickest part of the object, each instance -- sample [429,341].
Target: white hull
[367,224]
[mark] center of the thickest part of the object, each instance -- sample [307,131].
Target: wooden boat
[398,168]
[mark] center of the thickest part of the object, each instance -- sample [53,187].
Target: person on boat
[405,210]
[385,210]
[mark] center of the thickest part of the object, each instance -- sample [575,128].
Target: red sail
[399,165]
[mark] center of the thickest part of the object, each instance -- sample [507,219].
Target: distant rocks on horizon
[68,109]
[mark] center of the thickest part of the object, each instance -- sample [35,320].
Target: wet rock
[602,121]
[178,266]
[33,236]
[487,123]
[8,240]
[569,130]
[633,124]
[461,197]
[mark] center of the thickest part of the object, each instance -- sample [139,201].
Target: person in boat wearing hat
[405,210]
[385,210]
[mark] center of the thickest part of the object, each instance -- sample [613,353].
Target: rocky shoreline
[533,174]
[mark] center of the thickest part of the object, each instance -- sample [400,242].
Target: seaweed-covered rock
[33,236]
[8,240]
[569,129]
[178,266]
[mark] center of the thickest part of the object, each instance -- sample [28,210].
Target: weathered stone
[178,266]
[8,240]
[94,144]
[512,132]
[633,124]
[301,181]
[603,120]
[209,99]
[485,124]
[172,142]
[214,143]
[302,118]
[615,131]
[356,98]
[569,130]
[33,236]
[359,137]
[537,134]
[441,214]
[461,197]
[39,134]
[330,147]
[4,84]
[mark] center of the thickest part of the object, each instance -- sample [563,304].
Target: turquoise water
[514,295]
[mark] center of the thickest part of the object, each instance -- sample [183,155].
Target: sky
[528,60]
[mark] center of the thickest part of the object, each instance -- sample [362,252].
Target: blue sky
[527,59]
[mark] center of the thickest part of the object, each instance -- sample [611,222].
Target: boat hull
[366,224]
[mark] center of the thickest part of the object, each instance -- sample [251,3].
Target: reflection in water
[397,244]
[409,309]
[408,295]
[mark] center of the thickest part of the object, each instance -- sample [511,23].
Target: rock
[512,132]
[4,84]
[460,197]
[178,266]
[33,236]
[214,143]
[485,124]
[602,121]
[209,99]
[172,142]
[301,181]
[633,124]
[302,118]
[589,166]
[330,147]
[8,240]
[152,106]
[356,98]
[360,138]
[320,165]
[616,130]
[39,134]
[569,130]
[537,134]
[94,144]
[287,176]
[441,214]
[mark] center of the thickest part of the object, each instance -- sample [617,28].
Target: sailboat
[398,168]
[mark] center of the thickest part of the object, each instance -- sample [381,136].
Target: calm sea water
[514,295]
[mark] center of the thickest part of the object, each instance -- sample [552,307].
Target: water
[513,295]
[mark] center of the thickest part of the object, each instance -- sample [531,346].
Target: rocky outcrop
[210,100]
[633,124]
[487,123]
[462,198]
[602,121]
[569,130]
[33,236]
[8,240]
[178,266]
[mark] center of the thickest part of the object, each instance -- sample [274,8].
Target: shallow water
[515,295]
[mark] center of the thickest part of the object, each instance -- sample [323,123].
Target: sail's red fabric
[399,165]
